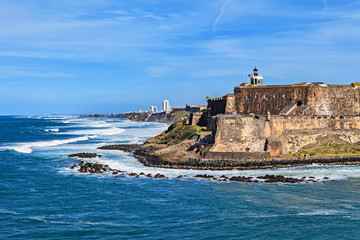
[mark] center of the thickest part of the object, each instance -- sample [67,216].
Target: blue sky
[102,56]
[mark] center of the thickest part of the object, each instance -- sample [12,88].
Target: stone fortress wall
[319,99]
[283,119]
[280,135]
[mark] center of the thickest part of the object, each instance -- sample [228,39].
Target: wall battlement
[284,118]
[318,98]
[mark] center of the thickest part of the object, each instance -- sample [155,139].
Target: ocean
[42,198]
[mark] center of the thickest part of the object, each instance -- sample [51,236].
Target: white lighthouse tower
[256,79]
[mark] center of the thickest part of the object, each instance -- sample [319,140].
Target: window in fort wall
[284,95]
[265,96]
[274,96]
[256,96]
[333,95]
[247,96]
[342,95]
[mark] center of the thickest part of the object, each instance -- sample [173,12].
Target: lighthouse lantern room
[255,78]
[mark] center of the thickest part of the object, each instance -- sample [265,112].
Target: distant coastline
[165,117]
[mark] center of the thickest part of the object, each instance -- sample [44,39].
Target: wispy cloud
[7,72]
[115,44]
[325,4]
[221,13]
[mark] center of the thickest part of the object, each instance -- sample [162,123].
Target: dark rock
[134,175]
[325,178]
[96,168]
[129,148]
[203,176]
[85,155]
[158,175]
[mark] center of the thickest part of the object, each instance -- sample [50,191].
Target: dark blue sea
[42,198]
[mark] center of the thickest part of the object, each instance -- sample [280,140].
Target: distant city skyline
[153,109]
[70,57]
[166,106]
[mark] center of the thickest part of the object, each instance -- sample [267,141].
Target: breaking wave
[107,131]
[28,147]
[52,130]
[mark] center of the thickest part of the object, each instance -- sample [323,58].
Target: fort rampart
[320,99]
[279,134]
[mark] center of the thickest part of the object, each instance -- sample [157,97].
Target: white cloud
[221,13]
[325,4]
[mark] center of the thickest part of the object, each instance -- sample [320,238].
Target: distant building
[153,109]
[166,106]
[256,79]
[194,108]
[177,109]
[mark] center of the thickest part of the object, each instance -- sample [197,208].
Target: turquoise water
[41,198]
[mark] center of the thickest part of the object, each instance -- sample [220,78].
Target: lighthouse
[255,78]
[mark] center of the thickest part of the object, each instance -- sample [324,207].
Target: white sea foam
[111,131]
[125,162]
[52,130]
[28,147]
[107,131]
[9,212]
[321,212]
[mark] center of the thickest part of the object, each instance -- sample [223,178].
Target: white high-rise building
[153,109]
[166,106]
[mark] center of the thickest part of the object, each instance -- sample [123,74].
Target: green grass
[178,132]
[330,149]
[202,130]
[178,115]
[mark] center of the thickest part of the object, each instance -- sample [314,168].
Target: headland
[261,126]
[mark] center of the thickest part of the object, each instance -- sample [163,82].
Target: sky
[113,56]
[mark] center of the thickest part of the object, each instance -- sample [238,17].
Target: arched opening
[299,103]
[247,149]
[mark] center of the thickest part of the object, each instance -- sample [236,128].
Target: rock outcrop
[85,155]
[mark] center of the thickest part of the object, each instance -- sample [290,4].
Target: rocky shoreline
[85,155]
[98,168]
[145,156]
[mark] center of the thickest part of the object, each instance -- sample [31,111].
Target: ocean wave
[28,147]
[42,219]
[52,130]
[107,131]
[321,212]
[4,211]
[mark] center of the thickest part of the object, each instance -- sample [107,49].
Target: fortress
[262,121]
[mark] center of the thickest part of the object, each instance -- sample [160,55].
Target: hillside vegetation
[177,132]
